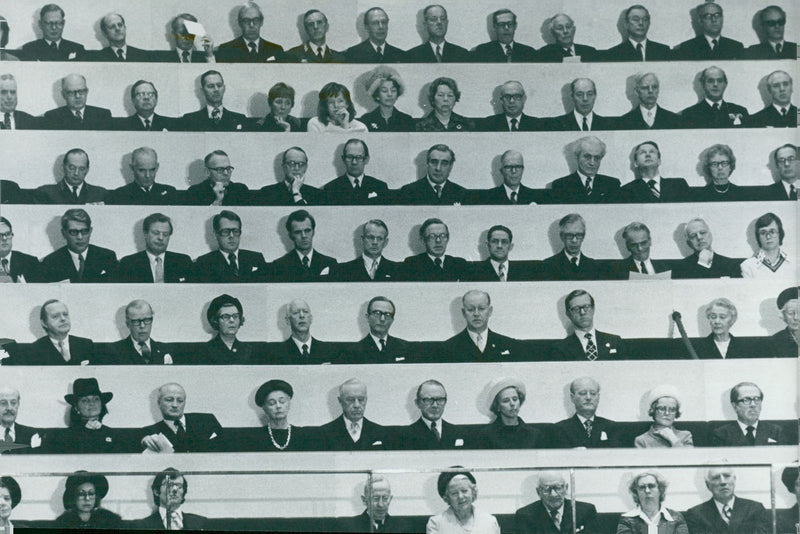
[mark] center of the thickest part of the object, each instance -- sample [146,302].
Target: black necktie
[438,53]
[438,263]
[305,351]
[644,268]
[120,54]
[379,51]
[180,431]
[435,431]
[585,124]
[75,194]
[640,50]
[54,47]
[750,436]
[253,50]
[383,344]
[356,186]
[185,56]
[147,124]
[7,120]
[4,264]
[233,265]
[81,266]
[79,116]
[778,48]
[716,107]
[145,350]
[306,263]
[513,125]
[554,518]
[784,111]
[514,197]
[319,53]
[792,192]
[574,262]
[568,52]
[713,44]
[438,190]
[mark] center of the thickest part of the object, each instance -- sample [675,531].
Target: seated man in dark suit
[377,497]
[371,265]
[772,20]
[184,51]
[354,187]
[139,348]
[378,346]
[504,49]
[709,44]
[563,49]
[636,46]
[748,430]
[72,188]
[144,97]
[303,263]
[784,343]
[293,189]
[436,49]
[230,264]
[430,431]
[585,186]
[218,189]
[476,343]
[648,115]
[115,32]
[169,490]
[435,188]
[13,432]
[15,267]
[638,242]
[434,265]
[214,116]
[781,113]
[553,508]
[704,262]
[582,117]
[155,264]
[301,348]
[51,47]
[179,431]
[11,118]
[498,268]
[649,185]
[375,49]
[726,512]
[79,262]
[225,316]
[570,263]
[713,111]
[76,114]
[785,158]
[249,47]
[512,166]
[143,190]
[351,431]
[586,343]
[512,119]
[586,429]
[315,50]
[57,347]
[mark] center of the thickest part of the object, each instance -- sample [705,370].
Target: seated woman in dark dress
[275,398]
[281,101]
[225,315]
[385,86]
[718,164]
[720,343]
[86,433]
[508,430]
[443,94]
[83,494]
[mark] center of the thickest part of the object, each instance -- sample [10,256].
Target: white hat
[499,384]
[664,390]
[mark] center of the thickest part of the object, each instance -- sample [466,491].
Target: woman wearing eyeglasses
[665,407]
[648,490]
[718,164]
[225,315]
[770,261]
[82,497]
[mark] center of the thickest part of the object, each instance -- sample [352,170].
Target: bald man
[138,348]
[179,431]
[351,431]
[586,429]
[76,114]
[300,348]
[512,119]
[476,343]
[10,430]
[377,497]
[116,33]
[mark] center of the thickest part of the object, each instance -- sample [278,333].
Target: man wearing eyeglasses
[76,114]
[139,348]
[230,264]
[773,46]
[780,113]
[354,187]
[377,497]
[378,346]
[115,32]
[570,263]
[552,513]
[586,185]
[713,111]
[79,261]
[512,191]
[15,267]
[292,190]
[51,47]
[504,49]
[72,188]
[477,343]
[586,343]
[144,190]
[434,265]
[218,189]
[636,46]
[709,44]
[371,265]
[430,431]
[179,431]
[785,158]
[249,47]
[512,119]
[747,430]
[144,97]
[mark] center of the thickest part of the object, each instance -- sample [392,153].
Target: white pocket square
[377,443]
[84,362]
[163,192]
[325,272]
[103,272]
[612,351]
[182,279]
[505,353]
[400,359]
[253,269]
[459,442]
[770,440]
[603,436]
[372,194]
[212,436]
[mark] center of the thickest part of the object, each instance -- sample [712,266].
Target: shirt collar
[124,49]
[256,42]
[638,512]
[569,256]
[352,179]
[719,505]
[583,419]
[74,255]
[210,109]
[779,108]
[136,343]
[496,265]
[776,43]
[433,46]
[579,117]
[311,47]
[644,110]
[377,340]
[743,426]
[58,43]
[152,257]
[708,39]
[583,177]
[432,183]
[635,43]
[711,102]
[580,334]
[301,343]
[509,191]
[433,258]
[474,335]
[163,513]
[310,255]
[171,424]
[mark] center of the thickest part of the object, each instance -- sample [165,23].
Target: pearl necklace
[272,438]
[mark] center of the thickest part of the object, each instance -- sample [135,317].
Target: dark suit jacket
[747,517]
[665,120]
[518,271]
[60,193]
[26,265]
[775,191]
[787,520]
[420,268]
[216,352]
[213,268]
[236,51]
[100,265]
[133,195]
[706,349]
[553,53]
[269,124]
[567,123]
[336,438]
[460,348]
[698,49]
[301,54]
[525,123]
[721,266]
[202,194]
[497,196]
[363,52]
[361,523]
[765,51]
[730,435]
[624,268]
[279,195]
[288,268]
[701,115]
[610,347]
[354,271]
[199,437]
[171,56]
[494,52]
[769,116]
[23,435]
[135,269]
[625,51]
[43,352]
[366,351]
[25,121]
[94,118]
[371,191]
[534,519]
[571,433]
[158,123]
[451,53]
[420,193]
[569,190]
[153,522]
[672,190]
[122,352]
[39,50]
[107,54]
[783,345]
[558,267]
[199,121]
[418,437]
[287,353]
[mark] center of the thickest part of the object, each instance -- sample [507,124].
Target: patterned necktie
[640,51]
[216,114]
[81,266]
[356,185]
[120,54]
[79,116]
[379,51]
[8,435]
[253,50]
[587,188]
[7,120]
[438,190]
[501,272]
[435,431]
[180,431]
[588,426]
[584,124]
[509,52]
[438,53]
[727,512]
[554,518]
[233,265]
[185,57]
[4,264]
[175,521]
[568,52]
[778,49]
[513,125]
[438,263]
[64,350]
[591,348]
[750,436]
[514,198]
[792,192]
[306,263]
[145,351]
[654,188]
[305,351]
[159,278]
[147,124]
[479,342]
[643,268]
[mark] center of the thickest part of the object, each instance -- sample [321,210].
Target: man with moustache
[371,266]
[11,432]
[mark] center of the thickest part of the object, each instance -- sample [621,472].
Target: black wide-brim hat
[84,387]
[99,482]
[270,386]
